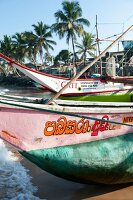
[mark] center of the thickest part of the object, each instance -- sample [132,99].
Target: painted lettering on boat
[82,84]
[65,126]
[89,84]
[127,119]
[73,85]
[113,126]
[109,127]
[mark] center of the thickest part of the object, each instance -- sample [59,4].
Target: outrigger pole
[88,66]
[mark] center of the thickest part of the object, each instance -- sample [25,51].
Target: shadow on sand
[51,187]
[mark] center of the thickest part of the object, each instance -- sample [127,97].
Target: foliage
[87,46]
[42,40]
[6,46]
[31,45]
[63,56]
[28,44]
[69,22]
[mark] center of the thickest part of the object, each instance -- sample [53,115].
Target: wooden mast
[97,39]
[98,45]
[88,66]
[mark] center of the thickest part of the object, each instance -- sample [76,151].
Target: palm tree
[7,47]
[42,39]
[48,58]
[69,22]
[10,48]
[63,56]
[19,47]
[30,41]
[87,46]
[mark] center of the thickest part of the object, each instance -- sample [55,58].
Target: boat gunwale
[68,109]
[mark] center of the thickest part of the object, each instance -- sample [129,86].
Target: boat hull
[75,86]
[108,161]
[82,144]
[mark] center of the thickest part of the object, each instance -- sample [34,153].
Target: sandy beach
[54,188]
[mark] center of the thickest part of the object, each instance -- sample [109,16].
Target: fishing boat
[79,141]
[91,89]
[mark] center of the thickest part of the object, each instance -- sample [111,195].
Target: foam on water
[15,183]
[3,91]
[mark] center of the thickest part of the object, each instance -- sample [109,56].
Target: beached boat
[92,89]
[79,141]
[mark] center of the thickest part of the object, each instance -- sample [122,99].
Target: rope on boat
[66,113]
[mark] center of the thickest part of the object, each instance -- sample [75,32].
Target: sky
[113,16]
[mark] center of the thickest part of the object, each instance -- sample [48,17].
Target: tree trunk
[74,52]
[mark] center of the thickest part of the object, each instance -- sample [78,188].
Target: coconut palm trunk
[74,53]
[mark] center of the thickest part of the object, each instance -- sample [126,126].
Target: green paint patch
[114,97]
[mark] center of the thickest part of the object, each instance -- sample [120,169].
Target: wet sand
[53,188]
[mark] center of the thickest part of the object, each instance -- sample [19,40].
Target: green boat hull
[108,161]
[107,97]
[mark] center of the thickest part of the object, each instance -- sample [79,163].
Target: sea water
[15,183]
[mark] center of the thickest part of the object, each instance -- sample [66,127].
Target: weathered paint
[77,148]
[24,128]
[108,161]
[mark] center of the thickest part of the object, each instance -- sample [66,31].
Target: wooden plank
[67,102]
[67,109]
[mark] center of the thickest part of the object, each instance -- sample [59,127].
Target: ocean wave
[15,183]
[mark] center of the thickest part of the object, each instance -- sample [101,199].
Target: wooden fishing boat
[92,89]
[79,141]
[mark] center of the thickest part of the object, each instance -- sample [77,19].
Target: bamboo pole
[87,67]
